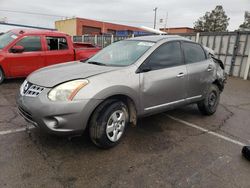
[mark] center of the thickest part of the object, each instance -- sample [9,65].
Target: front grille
[30,90]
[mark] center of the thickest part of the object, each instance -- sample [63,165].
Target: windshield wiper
[96,63]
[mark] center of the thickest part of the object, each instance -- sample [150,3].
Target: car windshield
[122,53]
[7,38]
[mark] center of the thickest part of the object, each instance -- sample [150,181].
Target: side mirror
[83,60]
[17,49]
[143,68]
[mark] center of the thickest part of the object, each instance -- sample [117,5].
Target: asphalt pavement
[179,148]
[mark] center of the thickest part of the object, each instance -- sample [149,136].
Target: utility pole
[166,21]
[155,9]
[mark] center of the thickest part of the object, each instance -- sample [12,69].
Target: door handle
[209,68]
[180,75]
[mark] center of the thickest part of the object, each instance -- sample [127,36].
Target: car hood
[56,74]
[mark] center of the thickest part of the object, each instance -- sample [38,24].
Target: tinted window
[30,44]
[193,52]
[167,55]
[57,43]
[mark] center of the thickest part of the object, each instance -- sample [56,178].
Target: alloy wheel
[115,126]
[212,99]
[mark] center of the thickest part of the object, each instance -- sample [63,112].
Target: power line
[61,16]
[33,13]
[28,26]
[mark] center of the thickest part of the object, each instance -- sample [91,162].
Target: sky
[138,13]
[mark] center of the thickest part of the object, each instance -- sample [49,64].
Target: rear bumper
[61,118]
[222,81]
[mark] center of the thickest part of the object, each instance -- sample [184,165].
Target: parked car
[24,51]
[126,80]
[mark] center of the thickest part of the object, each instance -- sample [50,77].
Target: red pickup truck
[24,51]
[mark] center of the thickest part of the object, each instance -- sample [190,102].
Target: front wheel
[209,105]
[1,76]
[108,123]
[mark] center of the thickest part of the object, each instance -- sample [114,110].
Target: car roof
[36,32]
[157,38]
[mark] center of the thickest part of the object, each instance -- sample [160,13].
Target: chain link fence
[99,40]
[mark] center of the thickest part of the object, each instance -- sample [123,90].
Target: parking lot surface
[179,148]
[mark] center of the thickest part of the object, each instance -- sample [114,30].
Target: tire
[246,152]
[1,76]
[108,123]
[209,105]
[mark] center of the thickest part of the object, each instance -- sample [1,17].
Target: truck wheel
[1,76]
[209,105]
[108,123]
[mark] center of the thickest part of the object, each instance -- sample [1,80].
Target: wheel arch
[219,83]
[132,109]
[1,69]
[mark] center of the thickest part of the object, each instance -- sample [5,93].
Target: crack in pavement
[11,119]
[64,181]
[239,106]
[231,114]
[219,126]
[147,163]
[212,131]
[226,119]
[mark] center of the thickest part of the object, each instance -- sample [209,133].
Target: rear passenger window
[167,55]
[30,43]
[193,52]
[57,43]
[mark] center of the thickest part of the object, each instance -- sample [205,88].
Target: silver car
[126,80]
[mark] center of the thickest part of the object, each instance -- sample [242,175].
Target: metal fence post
[102,38]
[244,52]
[236,45]
[197,37]
[247,66]
[95,40]
[112,39]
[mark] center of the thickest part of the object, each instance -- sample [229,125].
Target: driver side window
[30,43]
[167,55]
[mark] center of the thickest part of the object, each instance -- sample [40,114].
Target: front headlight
[67,91]
[22,87]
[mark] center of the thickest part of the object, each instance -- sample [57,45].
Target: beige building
[67,26]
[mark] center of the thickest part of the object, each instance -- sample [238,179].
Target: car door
[57,50]
[31,59]
[163,78]
[199,68]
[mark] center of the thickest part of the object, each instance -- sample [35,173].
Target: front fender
[4,66]
[111,91]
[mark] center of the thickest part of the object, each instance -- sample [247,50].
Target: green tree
[246,24]
[214,21]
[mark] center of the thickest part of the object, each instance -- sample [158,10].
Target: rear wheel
[209,105]
[108,123]
[1,75]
